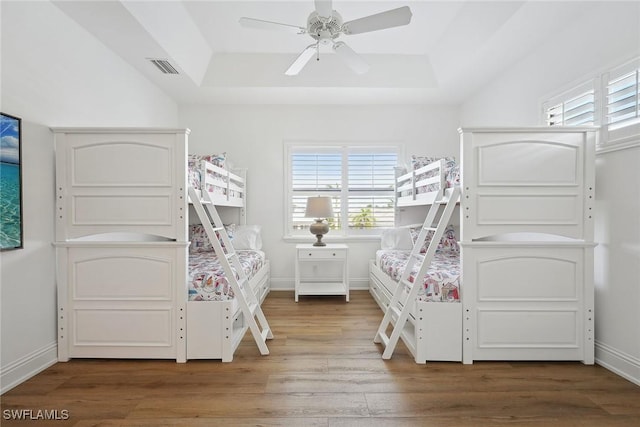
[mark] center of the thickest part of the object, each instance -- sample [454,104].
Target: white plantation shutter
[359,179]
[314,173]
[371,184]
[570,109]
[610,101]
[622,100]
[621,110]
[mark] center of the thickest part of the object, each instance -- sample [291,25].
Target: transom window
[622,89]
[611,101]
[576,107]
[575,111]
[359,179]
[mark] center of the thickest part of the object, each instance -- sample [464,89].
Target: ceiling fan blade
[268,25]
[324,8]
[351,58]
[302,60]
[379,21]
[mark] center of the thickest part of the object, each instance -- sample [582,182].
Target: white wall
[606,36]
[253,137]
[54,74]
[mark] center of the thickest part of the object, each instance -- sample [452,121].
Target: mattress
[441,282]
[207,281]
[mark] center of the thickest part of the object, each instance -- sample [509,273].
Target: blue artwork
[10,183]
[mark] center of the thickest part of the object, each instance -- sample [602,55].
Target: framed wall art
[11,236]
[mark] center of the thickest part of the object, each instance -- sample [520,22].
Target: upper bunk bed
[225,185]
[429,179]
[537,180]
[120,183]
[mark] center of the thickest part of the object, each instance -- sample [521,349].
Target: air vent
[164,66]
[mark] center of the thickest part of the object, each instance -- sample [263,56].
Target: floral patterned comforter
[207,281]
[442,281]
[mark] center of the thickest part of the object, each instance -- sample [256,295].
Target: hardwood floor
[323,370]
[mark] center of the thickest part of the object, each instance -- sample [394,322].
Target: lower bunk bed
[434,329]
[215,322]
[140,300]
[532,302]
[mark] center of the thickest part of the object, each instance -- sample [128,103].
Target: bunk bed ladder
[248,301]
[398,311]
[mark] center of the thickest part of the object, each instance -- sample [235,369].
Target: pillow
[200,241]
[448,242]
[396,238]
[247,237]
[217,159]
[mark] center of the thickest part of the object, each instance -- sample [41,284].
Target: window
[622,100]
[622,116]
[359,179]
[611,101]
[572,108]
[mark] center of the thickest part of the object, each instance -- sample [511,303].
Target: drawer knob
[334,254]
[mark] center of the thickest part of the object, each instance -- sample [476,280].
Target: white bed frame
[434,330]
[410,183]
[527,249]
[232,184]
[121,247]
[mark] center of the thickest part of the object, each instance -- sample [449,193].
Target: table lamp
[319,207]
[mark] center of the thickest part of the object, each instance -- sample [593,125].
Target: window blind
[622,100]
[314,174]
[371,184]
[575,111]
[360,180]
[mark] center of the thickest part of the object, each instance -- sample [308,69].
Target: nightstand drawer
[305,254]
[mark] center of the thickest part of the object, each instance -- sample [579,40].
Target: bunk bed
[526,239]
[433,327]
[122,247]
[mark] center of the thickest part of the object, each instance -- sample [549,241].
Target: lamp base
[319,229]
[319,242]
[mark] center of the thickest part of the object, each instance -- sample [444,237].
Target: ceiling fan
[325,25]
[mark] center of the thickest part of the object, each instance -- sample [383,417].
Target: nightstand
[321,256]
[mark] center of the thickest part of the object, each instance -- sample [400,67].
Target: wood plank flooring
[324,370]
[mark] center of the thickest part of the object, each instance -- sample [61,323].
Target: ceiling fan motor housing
[324,29]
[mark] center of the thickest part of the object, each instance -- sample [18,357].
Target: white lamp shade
[319,207]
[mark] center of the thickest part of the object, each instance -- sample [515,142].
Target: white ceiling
[448,51]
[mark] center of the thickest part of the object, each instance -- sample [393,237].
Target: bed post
[242,173]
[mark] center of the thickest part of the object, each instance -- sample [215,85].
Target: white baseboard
[618,362]
[287,284]
[26,367]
